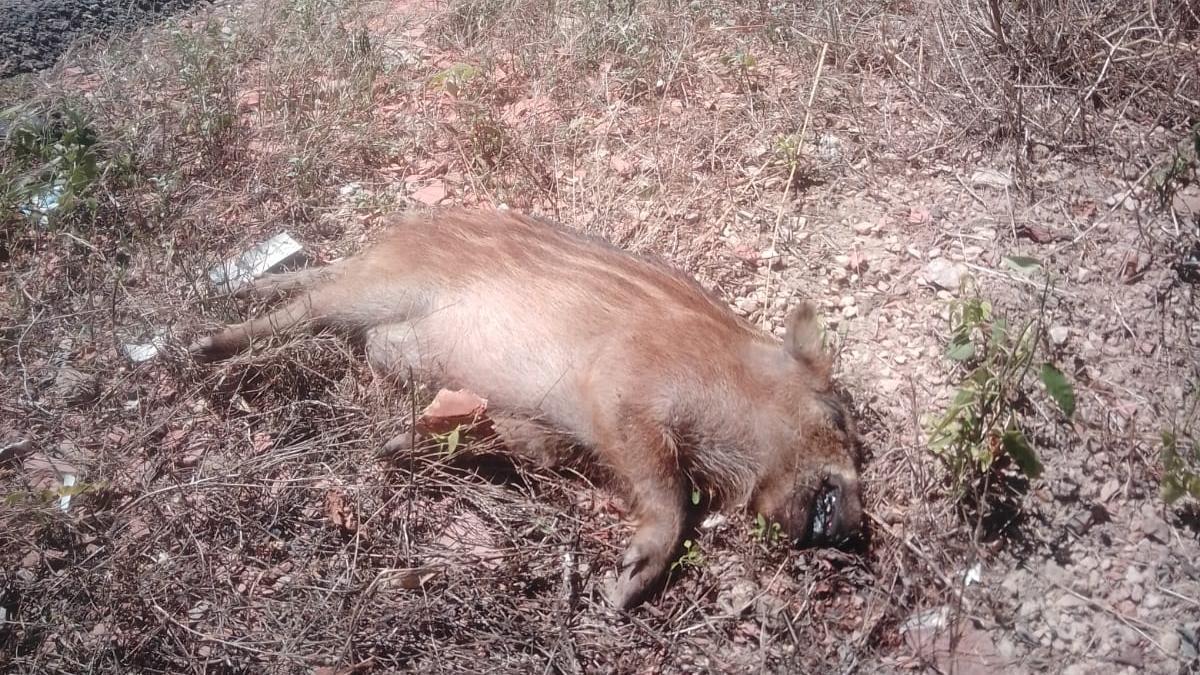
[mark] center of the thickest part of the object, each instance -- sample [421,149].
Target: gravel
[34,33]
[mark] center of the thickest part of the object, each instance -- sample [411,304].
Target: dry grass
[238,519]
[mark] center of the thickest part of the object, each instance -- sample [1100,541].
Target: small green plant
[55,163]
[787,149]
[1181,458]
[740,59]
[982,423]
[744,67]
[765,531]
[690,558]
[207,64]
[1180,171]
[1181,468]
[448,443]
[456,78]
[46,497]
[630,34]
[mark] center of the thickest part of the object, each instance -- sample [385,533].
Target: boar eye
[835,413]
[837,418]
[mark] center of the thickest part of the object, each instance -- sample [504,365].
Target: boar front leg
[647,464]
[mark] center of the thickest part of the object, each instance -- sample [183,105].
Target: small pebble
[1109,490]
[1170,641]
[747,305]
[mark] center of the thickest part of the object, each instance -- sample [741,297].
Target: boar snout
[825,512]
[837,516]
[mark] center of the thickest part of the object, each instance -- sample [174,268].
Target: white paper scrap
[268,256]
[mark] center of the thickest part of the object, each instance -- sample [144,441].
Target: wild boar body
[631,359]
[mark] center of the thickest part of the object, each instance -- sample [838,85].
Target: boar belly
[506,354]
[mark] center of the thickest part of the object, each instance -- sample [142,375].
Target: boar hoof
[637,575]
[399,444]
[204,349]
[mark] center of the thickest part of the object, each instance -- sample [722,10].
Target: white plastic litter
[974,574]
[64,501]
[930,619]
[139,352]
[269,256]
[43,203]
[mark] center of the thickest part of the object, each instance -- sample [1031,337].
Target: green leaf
[999,332]
[1171,490]
[452,441]
[963,398]
[72,490]
[1059,388]
[961,349]
[1022,453]
[1170,459]
[1022,264]
[1168,439]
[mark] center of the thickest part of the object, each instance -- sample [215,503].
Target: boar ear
[803,337]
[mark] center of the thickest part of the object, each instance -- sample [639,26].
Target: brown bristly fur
[627,357]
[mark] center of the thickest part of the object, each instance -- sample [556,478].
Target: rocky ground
[237,517]
[34,33]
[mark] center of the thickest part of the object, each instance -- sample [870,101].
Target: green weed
[690,558]
[54,164]
[766,531]
[789,150]
[983,424]
[449,442]
[47,497]
[1180,171]
[207,67]
[1181,468]
[1181,458]
[743,67]
[456,79]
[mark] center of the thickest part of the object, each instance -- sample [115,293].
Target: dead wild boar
[664,386]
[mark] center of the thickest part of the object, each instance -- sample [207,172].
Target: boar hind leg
[658,502]
[238,337]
